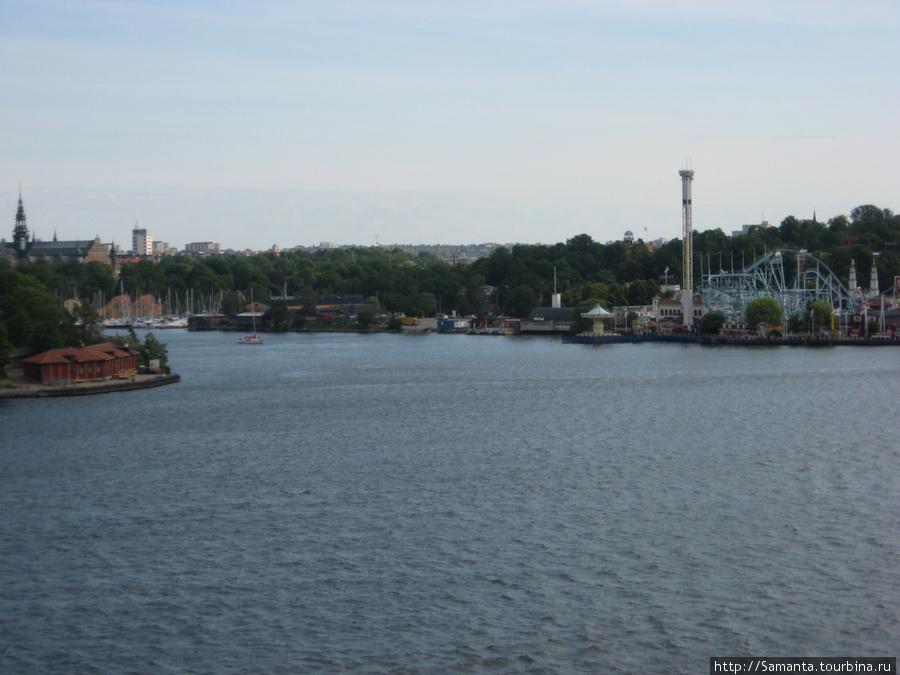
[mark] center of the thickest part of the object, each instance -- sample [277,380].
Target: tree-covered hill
[510,281]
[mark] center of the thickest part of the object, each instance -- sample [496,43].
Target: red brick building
[96,362]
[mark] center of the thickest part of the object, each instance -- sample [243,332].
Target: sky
[295,122]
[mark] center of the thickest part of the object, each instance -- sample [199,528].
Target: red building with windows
[96,362]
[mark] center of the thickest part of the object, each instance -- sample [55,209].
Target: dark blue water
[454,504]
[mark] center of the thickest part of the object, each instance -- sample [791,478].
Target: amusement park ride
[794,278]
[730,292]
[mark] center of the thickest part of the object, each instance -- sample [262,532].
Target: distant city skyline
[414,121]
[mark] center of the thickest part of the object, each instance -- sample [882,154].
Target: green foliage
[763,310]
[154,349]
[796,323]
[642,292]
[365,319]
[89,324]
[818,316]
[395,324]
[279,315]
[231,303]
[581,324]
[133,339]
[521,300]
[31,315]
[5,349]
[509,281]
[711,322]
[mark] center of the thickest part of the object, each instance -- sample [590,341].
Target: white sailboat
[256,337]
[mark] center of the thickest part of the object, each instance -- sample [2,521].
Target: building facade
[141,243]
[96,362]
[202,248]
[25,247]
[548,320]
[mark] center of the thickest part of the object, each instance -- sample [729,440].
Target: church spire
[20,232]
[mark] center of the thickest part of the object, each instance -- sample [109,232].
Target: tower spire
[687,289]
[20,232]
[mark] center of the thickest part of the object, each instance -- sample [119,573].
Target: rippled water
[440,504]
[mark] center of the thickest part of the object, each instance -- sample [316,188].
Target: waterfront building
[96,362]
[454,323]
[119,307]
[548,320]
[124,307]
[672,309]
[640,314]
[553,319]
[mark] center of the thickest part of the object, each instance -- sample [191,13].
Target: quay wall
[731,342]
[90,388]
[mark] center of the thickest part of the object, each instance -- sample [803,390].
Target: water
[335,503]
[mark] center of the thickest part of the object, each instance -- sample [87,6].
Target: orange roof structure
[103,352]
[79,363]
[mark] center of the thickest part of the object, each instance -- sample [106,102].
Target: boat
[173,322]
[256,337]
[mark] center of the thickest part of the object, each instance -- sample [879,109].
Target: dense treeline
[509,281]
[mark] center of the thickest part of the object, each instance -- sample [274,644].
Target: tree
[711,322]
[521,300]
[5,349]
[154,349]
[33,317]
[497,266]
[641,292]
[279,315]
[231,303]
[763,310]
[796,324]
[582,324]
[309,304]
[395,324]
[132,340]
[89,325]
[365,319]
[818,315]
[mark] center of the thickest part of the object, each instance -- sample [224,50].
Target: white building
[745,229]
[141,242]
[202,248]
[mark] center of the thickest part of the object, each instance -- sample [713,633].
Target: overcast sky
[441,121]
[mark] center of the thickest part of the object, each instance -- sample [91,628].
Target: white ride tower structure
[687,287]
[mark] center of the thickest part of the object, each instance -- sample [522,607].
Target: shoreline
[29,389]
[712,340]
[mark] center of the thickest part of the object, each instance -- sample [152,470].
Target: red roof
[103,352]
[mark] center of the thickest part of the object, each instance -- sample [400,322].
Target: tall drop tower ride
[687,287]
